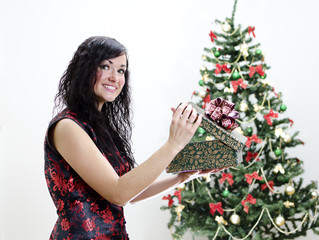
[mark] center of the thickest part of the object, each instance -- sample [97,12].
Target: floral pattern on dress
[82,213]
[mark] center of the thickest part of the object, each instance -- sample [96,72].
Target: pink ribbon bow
[222,112]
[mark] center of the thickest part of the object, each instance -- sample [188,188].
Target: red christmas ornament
[224,67]
[291,122]
[250,156]
[252,138]
[270,115]
[237,83]
[178,195]
[216,207]
[271,185]
[250,200]
[275,92]
[169,198]
[206,100]
[251,30]
[212,36]
[258,69]
[250,177]
[228,177]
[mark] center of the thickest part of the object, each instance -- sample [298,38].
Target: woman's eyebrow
[123,65]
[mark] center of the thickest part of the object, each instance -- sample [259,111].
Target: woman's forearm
[158,187]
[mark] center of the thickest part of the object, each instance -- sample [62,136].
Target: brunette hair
[76,92]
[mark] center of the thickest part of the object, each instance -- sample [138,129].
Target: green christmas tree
[263,197]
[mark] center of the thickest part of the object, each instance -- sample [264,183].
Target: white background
[165,41]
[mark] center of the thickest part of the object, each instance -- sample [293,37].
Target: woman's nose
[113,76]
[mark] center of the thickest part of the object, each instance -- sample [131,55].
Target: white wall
[165,41]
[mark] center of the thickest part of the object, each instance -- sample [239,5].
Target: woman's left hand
[188,176]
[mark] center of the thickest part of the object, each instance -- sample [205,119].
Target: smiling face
[110,79]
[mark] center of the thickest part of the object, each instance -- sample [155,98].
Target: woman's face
[110,79]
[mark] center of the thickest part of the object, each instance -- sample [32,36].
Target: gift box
[223,151]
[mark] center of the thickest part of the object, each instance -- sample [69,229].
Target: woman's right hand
[185,122]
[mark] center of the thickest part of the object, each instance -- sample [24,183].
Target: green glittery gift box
[224,151]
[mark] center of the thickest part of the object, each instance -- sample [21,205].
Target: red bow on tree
[251,155]
[251,30]
[228,177]
[224,67]
[252,138]
[206,100]
[258,69]
[291,122]
[271,185]
[213,207]
[237,83]
[170,199]
[250,177]
[270,115]
[275,92]
[179,195]
[249,199]
[212,36]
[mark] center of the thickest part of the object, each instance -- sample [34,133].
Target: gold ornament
[203,68]
[243,107]
[226,27]
[228,90]
[290,190]
[289,204]
[181,186]
[267,82]
[234,219]
[238,129]
[204,57]
[287,139]
[221,220]
[207,178]
[279,168]
[178,211]
[244,49]
[257,108]
[314,195]
[205,77]
[280,220]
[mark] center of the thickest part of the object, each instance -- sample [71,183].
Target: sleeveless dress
[82,212]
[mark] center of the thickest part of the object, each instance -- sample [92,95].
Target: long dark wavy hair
[76,92]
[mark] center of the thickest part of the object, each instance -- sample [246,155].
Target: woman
[89,165]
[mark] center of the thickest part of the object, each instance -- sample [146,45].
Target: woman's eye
[104,67]
[122,71]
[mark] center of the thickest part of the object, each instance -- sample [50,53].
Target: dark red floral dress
[82,212]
